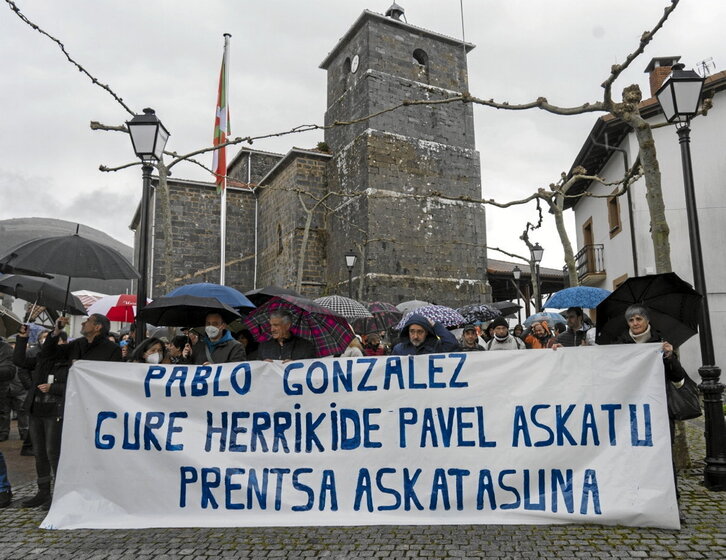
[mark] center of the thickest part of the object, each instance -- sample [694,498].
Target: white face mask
[154,358]
[212,332]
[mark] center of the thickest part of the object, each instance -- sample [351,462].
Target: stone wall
[410,244]
[195,212]
[260,163]
[389,73]
[300,180]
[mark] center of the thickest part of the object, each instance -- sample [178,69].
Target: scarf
[643,337]
[226,337]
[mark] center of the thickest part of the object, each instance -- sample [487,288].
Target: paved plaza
[702,536]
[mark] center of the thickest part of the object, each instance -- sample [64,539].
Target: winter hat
[499,322]
[469,328]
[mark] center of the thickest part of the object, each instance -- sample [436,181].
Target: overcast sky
[166,55]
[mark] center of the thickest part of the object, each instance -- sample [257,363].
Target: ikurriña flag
[221,122]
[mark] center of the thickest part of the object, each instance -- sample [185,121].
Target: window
[614,215]
[421,57]
[279,239]
[422,60]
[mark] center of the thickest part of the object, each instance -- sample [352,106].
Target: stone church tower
[292,217]
[383,169]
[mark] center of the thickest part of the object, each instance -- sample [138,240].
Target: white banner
[574,435]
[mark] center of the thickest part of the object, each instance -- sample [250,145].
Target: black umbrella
[7,269]
[50,293]
[185,311]
[506,307]
[72,256]
[261,295]
[672,304]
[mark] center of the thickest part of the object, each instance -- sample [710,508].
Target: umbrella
[72,256]
[506,307]
[406,306]
[479,312]
[444,315]
[7,269]
[384,316]
[9,322]
[673,306]
[117,308]
[549,316]
[329,332]
[577,296]
[261,295]
[345,307]
[185,311]
[225,294]
[42,292]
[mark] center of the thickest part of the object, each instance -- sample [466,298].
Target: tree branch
[645,38]
[62,47]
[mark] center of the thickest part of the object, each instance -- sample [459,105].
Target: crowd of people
[33,377]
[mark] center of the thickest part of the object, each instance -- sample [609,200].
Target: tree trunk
[556,206]
[303,247]
[165,210]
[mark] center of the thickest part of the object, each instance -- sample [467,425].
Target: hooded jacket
[438,339]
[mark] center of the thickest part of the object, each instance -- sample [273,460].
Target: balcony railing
[590,263]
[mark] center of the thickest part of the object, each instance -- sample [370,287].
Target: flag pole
[221,134]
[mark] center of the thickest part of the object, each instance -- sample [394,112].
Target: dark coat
[292,348]
[571,338]
[438,339]
[226,351]
[673,369]
[50,360]
[7,369]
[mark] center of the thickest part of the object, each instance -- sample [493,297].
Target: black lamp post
[350,258]
[537,252]
[517,273]
[148,137]
[679,97]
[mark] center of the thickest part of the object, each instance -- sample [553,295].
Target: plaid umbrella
[345,307]
[384,316]
[261,295]
[329,332]
[479,312]
[444,315]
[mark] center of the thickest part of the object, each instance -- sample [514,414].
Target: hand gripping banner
[574,435]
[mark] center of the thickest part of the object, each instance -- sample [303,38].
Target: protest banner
[568,436]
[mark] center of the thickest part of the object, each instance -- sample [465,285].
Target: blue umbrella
[225,294]
[577,296]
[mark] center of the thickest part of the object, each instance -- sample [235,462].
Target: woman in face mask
[150,351]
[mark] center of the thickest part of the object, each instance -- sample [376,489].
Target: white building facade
[613,234]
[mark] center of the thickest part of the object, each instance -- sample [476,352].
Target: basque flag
[221,122]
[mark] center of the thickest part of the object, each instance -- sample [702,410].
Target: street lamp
[537,252]
[517,273]
[350,258]
[148,137]
[678,98]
